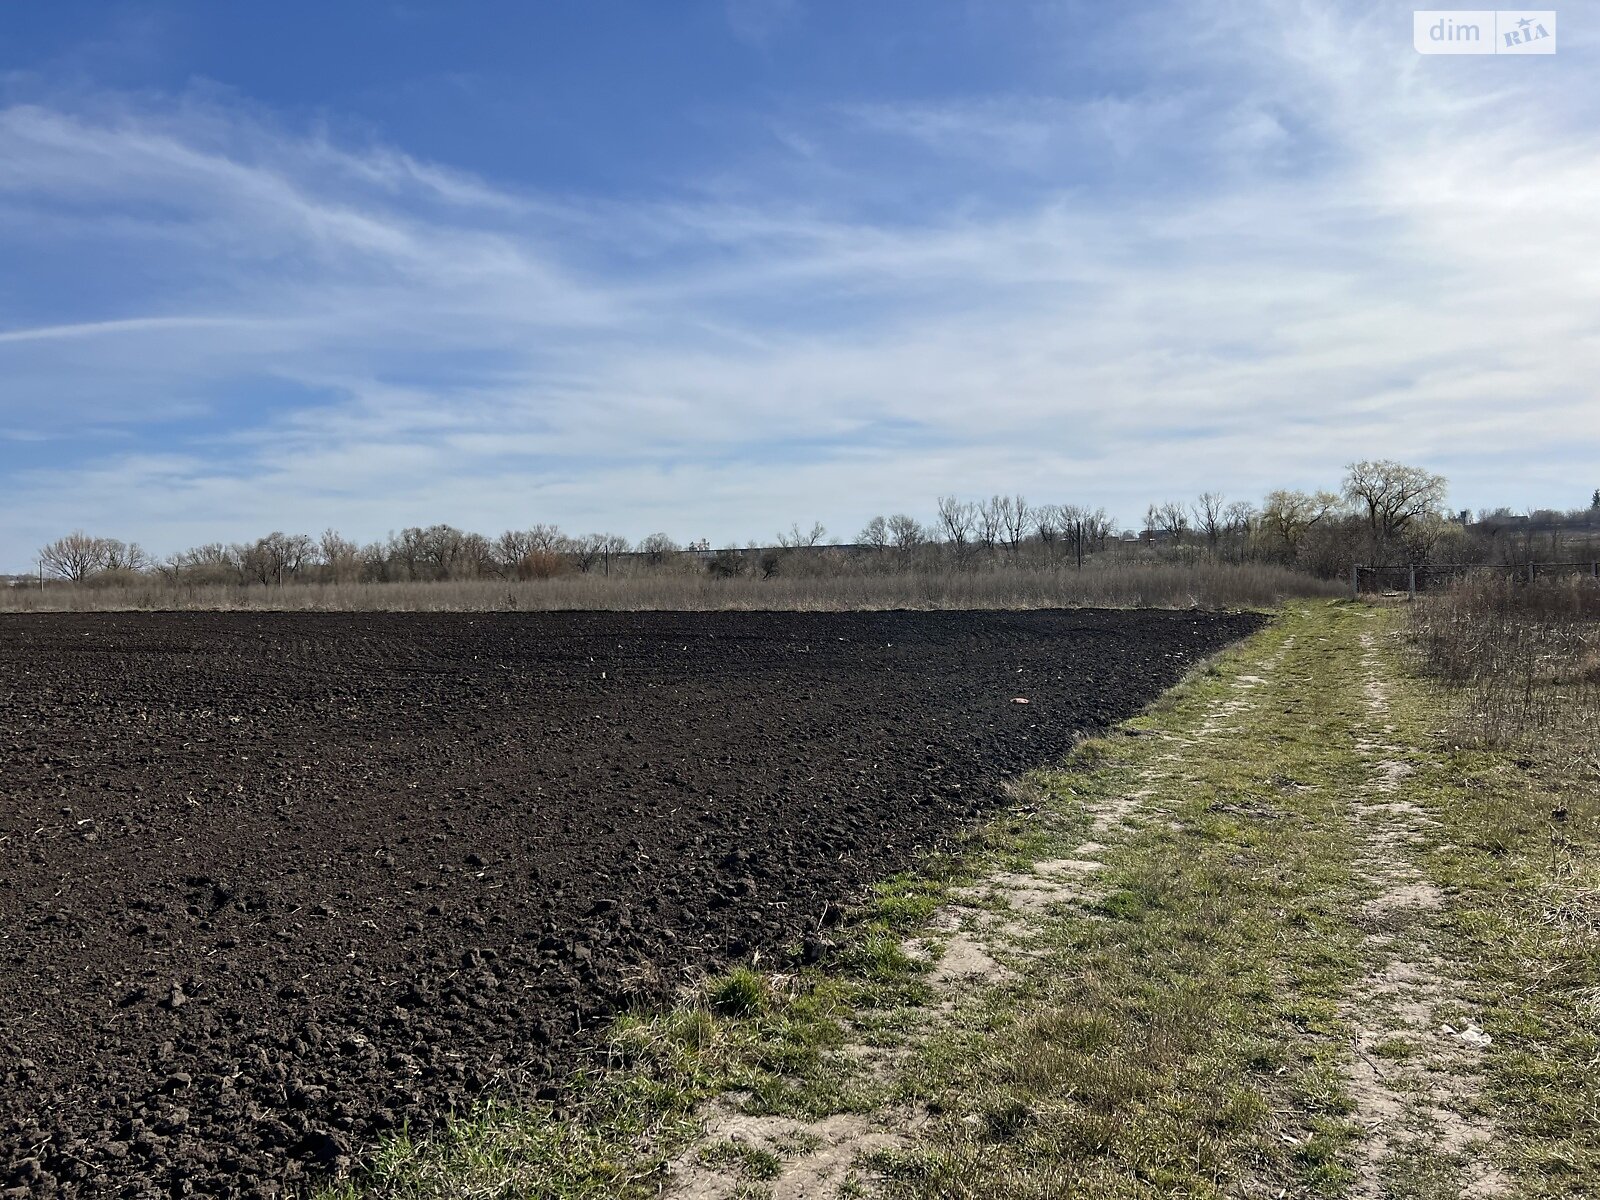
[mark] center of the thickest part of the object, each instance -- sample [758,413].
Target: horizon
[754,262]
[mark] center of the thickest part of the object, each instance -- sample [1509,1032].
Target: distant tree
[1392,495]
[656,547]
[957,520]
[1082,528]
[475,558]
[276,558]
[906,532]
[991,520]
[1287,516]
[74,557]
[1047,523]
[441,552]
[796,540]
[508,550]
[548,538]
[211,563]
[340,555]
[1075,531]
[1238,518]
[874,533]
[1171,517]
[123,556]
[1099,525]
[1595,502]
[588,550]
[1208,517]
[1015,519]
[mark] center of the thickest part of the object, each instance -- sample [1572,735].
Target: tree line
[1383,513]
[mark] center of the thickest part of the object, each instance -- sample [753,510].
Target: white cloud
[1379,256]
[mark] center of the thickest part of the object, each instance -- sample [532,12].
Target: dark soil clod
[350,869]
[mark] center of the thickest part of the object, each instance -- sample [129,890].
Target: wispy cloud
[1318,248]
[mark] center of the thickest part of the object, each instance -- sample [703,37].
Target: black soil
[273,884]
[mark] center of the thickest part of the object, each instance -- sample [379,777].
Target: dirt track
[271,884]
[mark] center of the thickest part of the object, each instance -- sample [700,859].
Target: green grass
[1179,1036]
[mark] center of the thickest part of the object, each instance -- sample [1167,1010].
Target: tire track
[1413,1070]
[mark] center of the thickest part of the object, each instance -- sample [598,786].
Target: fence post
[1594,571]
[1355,582]
[1530,570]
[1411,581]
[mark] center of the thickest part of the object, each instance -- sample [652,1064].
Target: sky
[716,266]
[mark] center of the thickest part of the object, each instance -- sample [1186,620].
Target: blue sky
[715,267]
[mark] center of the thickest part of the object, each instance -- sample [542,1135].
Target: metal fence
[1414,577]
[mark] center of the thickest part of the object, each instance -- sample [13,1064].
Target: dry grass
[1524,657]
[1152,585]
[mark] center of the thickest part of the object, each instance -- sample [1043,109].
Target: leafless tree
[341,556]
[991,520]
[74,557]
[957,520]
[509,550]
[1047,524]
[375,562]
[1238,520]
[1208,517]
[124,556]
[906,532]
[212,563]
[874,533]
[1077,528]
[796,540]
[1098,526]
[549,539]
[1392,495]
[1171,517]
[656,547]
[1015,518]
[475,559]
[438,551]
[276,558]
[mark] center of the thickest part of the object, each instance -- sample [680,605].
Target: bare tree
[1097,527]
[549,539]
[211,563]
[509,550]
[1015,518]
[1392,495]
[1238,519]
[1208,517]
[656,547]
[796,540]
[1047,524]
[74,557]
[1080,528]
[874,533]
[957,520]
[1172,518]
[991,520]
[588,550]
[475,557]
[275,558]
[906,532]
[341,556]
[123,556]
